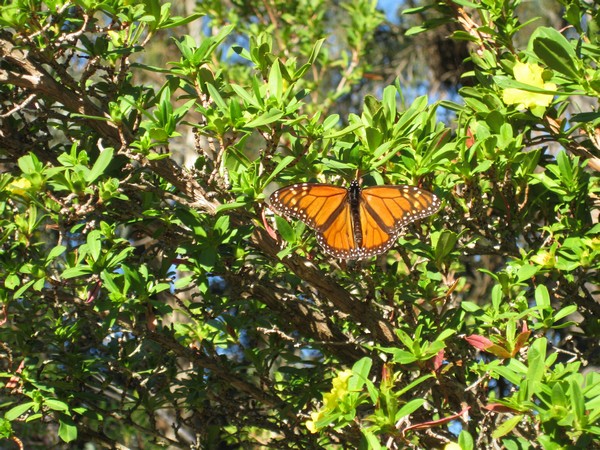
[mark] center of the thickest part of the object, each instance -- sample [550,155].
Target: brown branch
[218,370]
[27,73]
[381,329]
[309,322]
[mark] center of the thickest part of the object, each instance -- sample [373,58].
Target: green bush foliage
[150,298]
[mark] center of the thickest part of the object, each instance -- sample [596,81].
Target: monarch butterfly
[354,223]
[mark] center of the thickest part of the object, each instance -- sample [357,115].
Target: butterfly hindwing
[338,237]
[376,236]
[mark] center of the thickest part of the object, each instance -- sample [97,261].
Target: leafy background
[150,299]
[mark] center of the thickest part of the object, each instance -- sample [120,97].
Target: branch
[380,328]
[309,322]
[27,73]
[219,371]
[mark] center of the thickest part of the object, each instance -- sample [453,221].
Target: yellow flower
[544,258]
[330,400]
[341,381]
[312,423]
[452,446]
[530,74]
[338,391]
[19,186]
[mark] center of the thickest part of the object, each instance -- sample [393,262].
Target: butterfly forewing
[393,207]
[313,203]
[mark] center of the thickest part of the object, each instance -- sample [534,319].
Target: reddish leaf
[438,360]
[268,226]
[479,342]
[470,141]
[94,292]
[483,343]
[499,351]
[521,341]
[435,423]
[500,408]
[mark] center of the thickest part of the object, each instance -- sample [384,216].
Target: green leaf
[100,165]
[470,306]
[372,441]
[331,121]
[417,107]
[410,386]
[109,282]
[72,272]
[67,430]
[55,252]
[409,408]
[577,401]
[564,312]
[94,242]
[465,440]
[311,59]
[526,272]
[266,118]
[403,357]
[343,132]
[177,21]
[445,334]
[18,410]
[542,297]
[12,281]
[507,426]
[23,288]
[114,259]
[245,95]
[216,97]
[56,405]
[536,359]
[558,396]
[275,82]
[551,47]
[29,164]
[361,369]
[445,243]
[230,206]
[285,229]
[389,105]
[286,161]
[513,372]
[183,282]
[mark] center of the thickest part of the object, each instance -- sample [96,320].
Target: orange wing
[313,203]
[324,208]
[354,223]
[385,210]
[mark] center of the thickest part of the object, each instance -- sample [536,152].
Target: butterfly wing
[324,208]
[382,212]
[385,210]
[338,237]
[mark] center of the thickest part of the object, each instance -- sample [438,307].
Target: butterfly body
[354,223]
